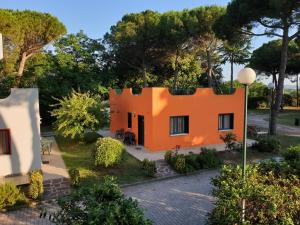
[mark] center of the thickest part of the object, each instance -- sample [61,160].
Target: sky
[95,17]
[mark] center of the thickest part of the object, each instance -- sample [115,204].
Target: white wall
[19,112]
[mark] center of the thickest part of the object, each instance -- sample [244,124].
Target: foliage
[74,177]
[36,184]
[10,195]
[269,199]
[180,164]
[32,31]
[268,144]
[257,102]
[149,167]
[292,157]
[208,158]
[91,137]
[229,139]
[77,113]
[103,204]
[108,152]
[168,155]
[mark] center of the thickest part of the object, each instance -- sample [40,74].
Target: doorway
[141,128]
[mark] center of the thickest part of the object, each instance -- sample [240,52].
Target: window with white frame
[226,121]
[179,125]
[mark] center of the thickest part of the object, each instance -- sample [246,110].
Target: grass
[78,155]
[287,141]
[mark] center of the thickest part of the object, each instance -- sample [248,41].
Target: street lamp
[246,77]
[271,87]
[1,47]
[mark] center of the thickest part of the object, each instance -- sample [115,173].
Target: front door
[141,132]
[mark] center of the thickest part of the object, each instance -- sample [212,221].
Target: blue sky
[95,17]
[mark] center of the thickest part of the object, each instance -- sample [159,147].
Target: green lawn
[78,155]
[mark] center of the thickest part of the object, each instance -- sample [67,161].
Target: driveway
[182,200]
[260,120]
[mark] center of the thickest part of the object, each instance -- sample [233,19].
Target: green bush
[179,164]
[168,155]
[229,140]
[103,204]
[36,186]
[256,101]
[10,195]
[74,176]
[192,163]
[269,199]
[268,144]
[149,167]
[292,157]
[91,137]
[108,152]
[208,158]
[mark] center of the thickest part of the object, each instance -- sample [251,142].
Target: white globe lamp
[246,76]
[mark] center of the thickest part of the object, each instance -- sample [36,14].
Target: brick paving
[177,201]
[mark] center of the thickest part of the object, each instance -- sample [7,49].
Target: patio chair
[46,146]
[256,132]
[129,138]
[120,134]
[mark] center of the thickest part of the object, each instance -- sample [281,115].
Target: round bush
[180,164]
[108,152]
[268,144]
[36,186]
[10,195]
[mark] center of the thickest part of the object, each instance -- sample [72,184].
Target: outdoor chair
[120,134]
[129,138]
[46,146]
[256,132]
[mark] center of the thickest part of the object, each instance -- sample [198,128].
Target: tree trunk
[279,89]
[145,74]
[209,69]
[231,74]
[176,72]
[297,87]
[21,69]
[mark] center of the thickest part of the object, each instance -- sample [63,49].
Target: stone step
[164,169]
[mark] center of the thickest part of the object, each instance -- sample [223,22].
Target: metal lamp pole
[271,87]
[1,47]
[246,77]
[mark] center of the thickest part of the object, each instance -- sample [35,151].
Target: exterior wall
[158,105]
[19,113]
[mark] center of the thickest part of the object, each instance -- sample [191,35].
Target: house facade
[20,132]
[162,121]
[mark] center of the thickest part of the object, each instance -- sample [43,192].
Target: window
[129,120]
[5,144]
[179,125]
[226,121]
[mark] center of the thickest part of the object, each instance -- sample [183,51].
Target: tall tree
[235,53]
[279,18]
[132,42]
[33,31]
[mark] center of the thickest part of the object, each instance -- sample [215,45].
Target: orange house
[163,121]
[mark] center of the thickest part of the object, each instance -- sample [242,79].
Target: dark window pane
[129,120]
[179,124]
[226,121]
[4,142]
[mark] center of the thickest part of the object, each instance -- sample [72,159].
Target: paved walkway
[178,201]
[141,153]
[260,120]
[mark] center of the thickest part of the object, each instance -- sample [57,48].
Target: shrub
[292,157]
[191,161]
[103,204]
[108,152]
[10,195]
[208,158]
[36,186]
[74,176]
[229,139]
[91,137]
[268,144]
[168,155]
[179,164]
[269,199]
[149,167]
[256,101]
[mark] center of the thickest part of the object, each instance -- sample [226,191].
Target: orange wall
[157,105]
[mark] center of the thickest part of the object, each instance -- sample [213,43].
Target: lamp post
[271,88]
[1,47]
[246,77]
